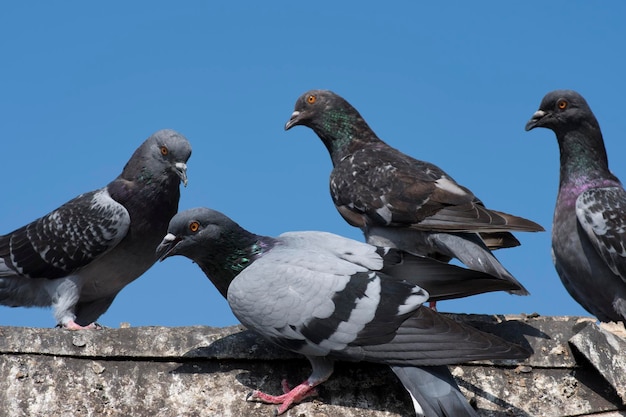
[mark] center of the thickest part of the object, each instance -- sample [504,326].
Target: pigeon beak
[167,245]
[181,170]
[534,121]
[293,121]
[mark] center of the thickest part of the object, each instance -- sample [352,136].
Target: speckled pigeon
[400,201]
[79,256]
[589,226]
[332,298]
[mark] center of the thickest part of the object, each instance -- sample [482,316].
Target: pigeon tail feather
[434,391]
[466,247]
[470,249]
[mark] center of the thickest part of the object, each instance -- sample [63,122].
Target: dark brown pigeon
[402,202]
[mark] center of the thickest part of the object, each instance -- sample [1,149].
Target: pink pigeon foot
[72,325]
[289,398]
[433,305]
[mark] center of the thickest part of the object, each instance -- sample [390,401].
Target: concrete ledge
[205,371]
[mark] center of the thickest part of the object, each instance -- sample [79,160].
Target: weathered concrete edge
[605,352]
[546,336]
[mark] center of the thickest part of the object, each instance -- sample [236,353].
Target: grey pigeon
[332,298]
[79,256]
[402,202]
[589,226]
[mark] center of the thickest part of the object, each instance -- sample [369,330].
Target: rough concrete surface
[205,371]
[606,352]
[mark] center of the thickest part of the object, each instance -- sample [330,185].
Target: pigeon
[78,257]
[589,225]
[333,298]
[402,202]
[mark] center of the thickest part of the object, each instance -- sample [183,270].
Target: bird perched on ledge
[332,298]
[589,226]
[402,202]
[79,256]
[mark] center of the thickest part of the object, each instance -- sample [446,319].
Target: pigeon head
[194,232]
[164,153]
[577,131]
[562,111]
[333,119]
[314,108]
[219,246]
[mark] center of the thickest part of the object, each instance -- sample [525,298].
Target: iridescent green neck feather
[240,259]
[583,154]
[223,262]
[342,130]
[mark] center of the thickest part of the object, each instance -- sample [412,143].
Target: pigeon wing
[315,302]
[66,239]
[428,338]
[385,187]
[382,186]
[601,212]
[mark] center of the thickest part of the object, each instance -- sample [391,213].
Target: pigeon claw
[72,325]
[289,398]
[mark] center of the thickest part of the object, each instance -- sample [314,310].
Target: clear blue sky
[453,83]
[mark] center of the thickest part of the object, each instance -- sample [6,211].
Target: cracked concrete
[205,371]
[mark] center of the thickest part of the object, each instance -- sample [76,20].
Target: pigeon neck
[231,257]
[252,250]
[343,132]
[159,195]
[583,155]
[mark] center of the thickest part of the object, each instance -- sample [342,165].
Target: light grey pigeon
[402,202]
[332,298]
[79,256]
[589,227]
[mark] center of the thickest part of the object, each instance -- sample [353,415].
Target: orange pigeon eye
[164,150]
[311,99]
[194,226]
[562,104]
